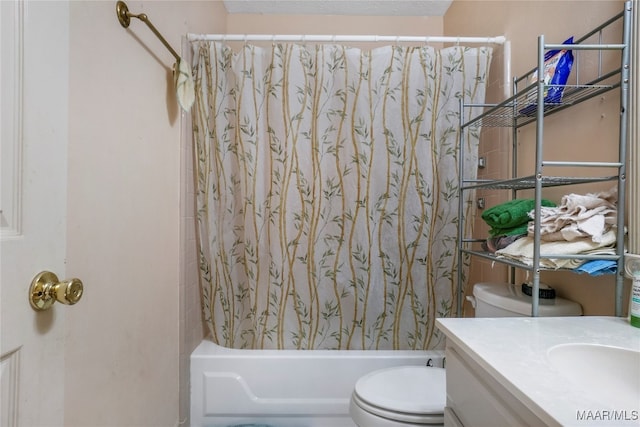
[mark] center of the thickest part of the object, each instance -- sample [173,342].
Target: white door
[34,98]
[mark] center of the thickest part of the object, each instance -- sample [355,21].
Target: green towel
[512,214]
[514,231]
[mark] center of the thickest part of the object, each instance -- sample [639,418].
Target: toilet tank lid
[510,297]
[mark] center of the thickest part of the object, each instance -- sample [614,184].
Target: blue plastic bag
[557,67]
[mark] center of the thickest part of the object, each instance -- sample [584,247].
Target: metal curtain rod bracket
[124,16]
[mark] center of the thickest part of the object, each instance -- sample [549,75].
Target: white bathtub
[284,388]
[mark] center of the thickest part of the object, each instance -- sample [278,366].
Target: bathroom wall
[332,24]
[588,131]
[124,339]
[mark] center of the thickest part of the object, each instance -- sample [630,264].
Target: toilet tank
[508,300]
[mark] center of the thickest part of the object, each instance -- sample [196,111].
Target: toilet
[416,395]
[508,300]
[399,397]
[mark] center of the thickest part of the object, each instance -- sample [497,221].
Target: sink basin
[610,375]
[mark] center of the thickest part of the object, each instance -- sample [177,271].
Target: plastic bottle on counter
[632,267]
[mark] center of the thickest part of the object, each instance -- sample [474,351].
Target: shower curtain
[327,191]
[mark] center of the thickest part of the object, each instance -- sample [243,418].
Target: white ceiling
[340,7]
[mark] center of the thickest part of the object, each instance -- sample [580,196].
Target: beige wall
[586,132]
[330,24]
[123,352]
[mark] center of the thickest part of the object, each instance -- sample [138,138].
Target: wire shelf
[529,182]
[522,108]
[513,263]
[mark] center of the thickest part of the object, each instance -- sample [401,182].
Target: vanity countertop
[513,350]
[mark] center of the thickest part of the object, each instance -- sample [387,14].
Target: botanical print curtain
[327,191]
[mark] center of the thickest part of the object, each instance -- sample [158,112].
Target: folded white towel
[184,85]
[578,216]
[522,250]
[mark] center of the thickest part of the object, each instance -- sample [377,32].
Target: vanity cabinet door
[476,399]
[451,419]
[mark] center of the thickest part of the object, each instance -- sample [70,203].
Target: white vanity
[558,371]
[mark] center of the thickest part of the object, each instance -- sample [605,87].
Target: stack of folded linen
[579,216]
[522,250]
[582,224]
[509,222]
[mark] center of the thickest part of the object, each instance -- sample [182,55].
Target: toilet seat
[406,394]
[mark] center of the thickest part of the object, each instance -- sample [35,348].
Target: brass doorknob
[46,289]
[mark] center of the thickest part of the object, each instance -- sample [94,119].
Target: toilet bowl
[416,395]
[399,397]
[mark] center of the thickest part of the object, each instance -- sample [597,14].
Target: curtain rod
[341,38]
[124,17]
